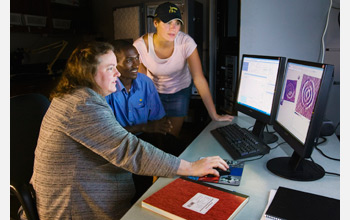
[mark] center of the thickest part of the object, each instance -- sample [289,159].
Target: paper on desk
[271,196]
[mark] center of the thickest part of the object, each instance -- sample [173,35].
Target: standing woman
[83,154]
[170,58]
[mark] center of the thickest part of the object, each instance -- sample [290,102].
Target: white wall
[332,56]
[294,29]
[290,28]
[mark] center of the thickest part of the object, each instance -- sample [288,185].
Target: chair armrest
[25,195]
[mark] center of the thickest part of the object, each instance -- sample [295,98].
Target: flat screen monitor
[299,117]
[258,88]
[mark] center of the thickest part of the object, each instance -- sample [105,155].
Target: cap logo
[172,9]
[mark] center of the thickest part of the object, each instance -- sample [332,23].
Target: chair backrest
[26,114]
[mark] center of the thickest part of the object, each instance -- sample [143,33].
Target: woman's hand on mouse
[202,167]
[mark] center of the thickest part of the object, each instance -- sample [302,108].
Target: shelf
[60,17]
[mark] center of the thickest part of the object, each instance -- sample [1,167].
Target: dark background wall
[290,28]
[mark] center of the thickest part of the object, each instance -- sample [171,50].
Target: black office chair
[26,114]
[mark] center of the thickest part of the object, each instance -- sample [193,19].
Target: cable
[324,32]
[272,148]
[317,167]
[321,152]
[330,173]
[323,141]
[254,159]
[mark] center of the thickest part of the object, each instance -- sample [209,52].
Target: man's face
[128,63]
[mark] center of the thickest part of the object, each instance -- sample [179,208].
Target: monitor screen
[299,94]
[300,114]
[258,89]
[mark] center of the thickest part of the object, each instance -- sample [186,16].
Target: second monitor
[258,91]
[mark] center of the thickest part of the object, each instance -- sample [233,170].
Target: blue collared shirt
[140,105]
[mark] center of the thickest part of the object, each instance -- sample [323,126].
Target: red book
[188,199]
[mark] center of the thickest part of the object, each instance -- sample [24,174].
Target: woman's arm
[142,68]
[105,137]
[202,86]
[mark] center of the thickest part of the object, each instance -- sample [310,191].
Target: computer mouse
[223,172]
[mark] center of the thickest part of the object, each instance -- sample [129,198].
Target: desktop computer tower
[228,23]
[227,78]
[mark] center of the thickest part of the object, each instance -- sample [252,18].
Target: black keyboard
[239,142]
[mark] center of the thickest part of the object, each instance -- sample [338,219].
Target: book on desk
[184,198]
[293,204]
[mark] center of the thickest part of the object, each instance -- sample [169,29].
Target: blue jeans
[176,104]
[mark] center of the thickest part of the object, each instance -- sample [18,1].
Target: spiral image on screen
[307,95]
[290,90]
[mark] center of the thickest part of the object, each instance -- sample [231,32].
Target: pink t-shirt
[172,74]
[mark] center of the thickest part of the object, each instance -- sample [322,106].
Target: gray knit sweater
[82,158]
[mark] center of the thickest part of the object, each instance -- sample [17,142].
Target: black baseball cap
[167,12]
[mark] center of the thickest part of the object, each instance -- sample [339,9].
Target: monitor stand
[266,137]
[269,138]
[295,168]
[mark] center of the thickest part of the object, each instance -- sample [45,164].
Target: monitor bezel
[261,118]
[304,150]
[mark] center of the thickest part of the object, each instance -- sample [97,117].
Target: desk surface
[256,180]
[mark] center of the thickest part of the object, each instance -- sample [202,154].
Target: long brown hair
[81,68]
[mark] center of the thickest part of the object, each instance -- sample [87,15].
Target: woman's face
[169,30]
[106,74]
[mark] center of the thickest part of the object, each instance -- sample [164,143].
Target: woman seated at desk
[83,154]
